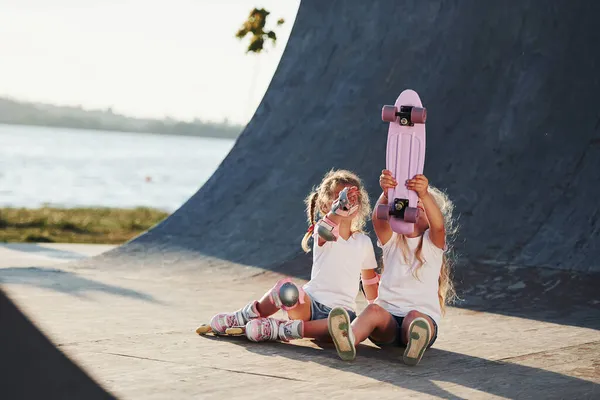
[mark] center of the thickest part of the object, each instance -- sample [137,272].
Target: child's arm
[382,227]
[370,281]
[368,273]
[341,209]
[330,218]
[437,231]
[320,241]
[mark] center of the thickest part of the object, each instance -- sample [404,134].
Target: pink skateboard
[405,158]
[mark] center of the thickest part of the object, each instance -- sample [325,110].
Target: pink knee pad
[286,295]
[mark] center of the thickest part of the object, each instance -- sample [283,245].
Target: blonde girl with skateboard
[337,211]
[415,284]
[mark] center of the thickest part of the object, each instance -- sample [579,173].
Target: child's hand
[419,184]
[347,206]
[353,195]
[387,181]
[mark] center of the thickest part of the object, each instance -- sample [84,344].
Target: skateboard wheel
[234,331]
[203,329]
[383,212]
[418,115]
[411,214]
[388,113]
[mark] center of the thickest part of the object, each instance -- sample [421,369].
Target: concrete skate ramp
[513,132]
[513,135]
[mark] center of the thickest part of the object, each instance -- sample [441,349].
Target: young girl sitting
[341,253]
[415,284]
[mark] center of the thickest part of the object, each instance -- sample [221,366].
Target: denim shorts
[321,311]
[397,341]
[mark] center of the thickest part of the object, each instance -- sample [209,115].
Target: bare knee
[410,317]
[375,322]
[414,314]
[374,309]
[374,315]
[301,311]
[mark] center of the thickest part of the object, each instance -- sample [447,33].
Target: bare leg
[265,307]
[312,329]
[317,330]
[376,322]
[301,311]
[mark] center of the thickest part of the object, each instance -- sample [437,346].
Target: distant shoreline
[14,112]
[109,131]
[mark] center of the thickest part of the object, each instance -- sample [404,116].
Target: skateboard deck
[405,158]
[233,331]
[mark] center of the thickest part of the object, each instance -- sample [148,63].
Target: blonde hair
[446,292]
[320,199]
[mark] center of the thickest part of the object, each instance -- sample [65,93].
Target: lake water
[64,167]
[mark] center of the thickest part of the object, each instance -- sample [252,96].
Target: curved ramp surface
[513,131]
[513,135]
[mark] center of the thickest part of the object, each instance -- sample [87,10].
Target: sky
[151,59]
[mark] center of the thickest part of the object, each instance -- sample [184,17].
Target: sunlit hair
[318,202]
[446,291]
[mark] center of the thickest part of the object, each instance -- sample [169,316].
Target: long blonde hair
[446,292]
[320,198]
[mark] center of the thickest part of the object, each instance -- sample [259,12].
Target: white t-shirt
[399,291]
[335,275]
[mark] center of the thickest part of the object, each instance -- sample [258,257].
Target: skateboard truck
[398,208]
[408,115]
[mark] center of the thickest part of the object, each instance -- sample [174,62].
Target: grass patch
[76,225]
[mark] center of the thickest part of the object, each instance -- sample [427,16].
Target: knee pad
[328,230]
[286,295]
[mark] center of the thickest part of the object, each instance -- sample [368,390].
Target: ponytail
[311,203]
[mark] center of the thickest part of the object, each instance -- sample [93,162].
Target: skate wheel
[203,329]
[234,331]
[388,113]
[411,214]
[418,115]
[383,212]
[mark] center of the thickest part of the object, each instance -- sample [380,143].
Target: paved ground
[513,134]
[134,334]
